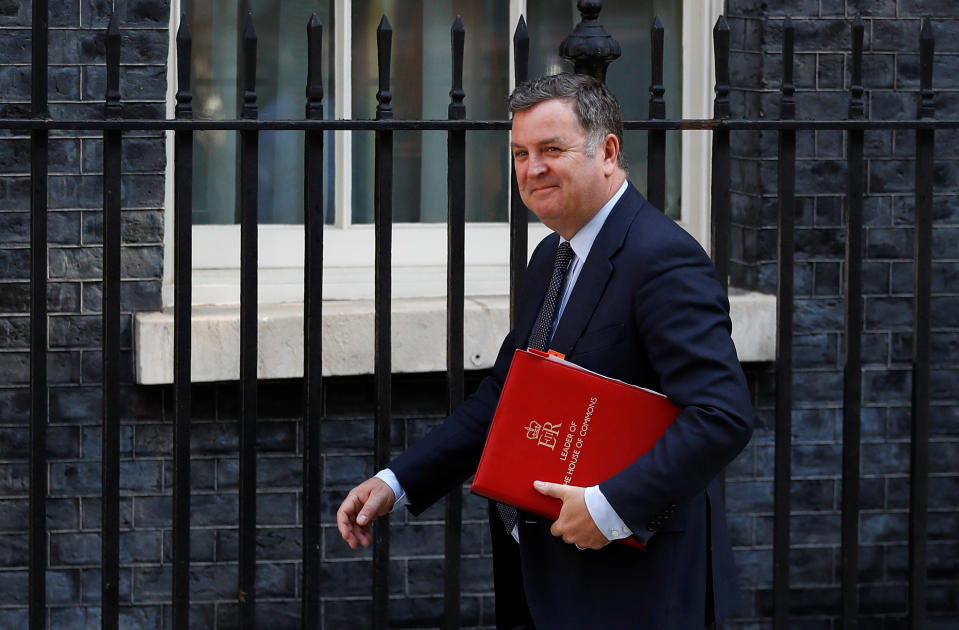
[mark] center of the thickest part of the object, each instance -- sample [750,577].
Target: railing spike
[788,102]
[249,107]
[927,48]
[384,42]
[111,106]
[521,51]
[721,52]
[856,104]
[184,49]
[314,68]
[657,105]
[457,110]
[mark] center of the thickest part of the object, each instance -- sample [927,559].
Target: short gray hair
[596,107]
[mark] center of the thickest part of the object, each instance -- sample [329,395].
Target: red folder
[559,422]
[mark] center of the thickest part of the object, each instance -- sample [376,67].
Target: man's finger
[550,489]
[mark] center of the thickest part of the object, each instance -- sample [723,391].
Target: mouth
[537,189]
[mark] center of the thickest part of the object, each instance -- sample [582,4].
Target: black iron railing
[248,126]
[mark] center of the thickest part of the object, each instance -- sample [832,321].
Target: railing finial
[384,42]
[457,110]
[657,104]
[249,107]
[314,68]
[788,102]
[589,47]
[111,106]
[721,52]
[927,49]
[184,47]
[857,108]
[521,51]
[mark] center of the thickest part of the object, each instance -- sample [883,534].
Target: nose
[537,166]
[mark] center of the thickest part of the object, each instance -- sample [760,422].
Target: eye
[519,153]
[552,149]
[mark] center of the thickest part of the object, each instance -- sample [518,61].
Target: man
[640,303]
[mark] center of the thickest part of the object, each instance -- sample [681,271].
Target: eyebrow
[545,141]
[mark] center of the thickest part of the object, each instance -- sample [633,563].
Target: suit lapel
[596,272]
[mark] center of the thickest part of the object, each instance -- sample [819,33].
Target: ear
[610,149]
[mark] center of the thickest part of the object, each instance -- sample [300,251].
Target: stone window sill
[418,329]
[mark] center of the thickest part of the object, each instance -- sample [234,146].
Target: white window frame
[419,249]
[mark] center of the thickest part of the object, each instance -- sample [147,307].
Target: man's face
[557,180]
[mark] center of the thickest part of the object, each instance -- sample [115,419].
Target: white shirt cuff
[386,475]
[605,517]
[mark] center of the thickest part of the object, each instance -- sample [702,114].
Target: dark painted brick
[812,567]
[817,316]
[213,509]
[813,494]
[885,458]
[74,549]
[830,72]
[886,386]
[91,580]
[943,525]
[902,281]
[15,263]
[878,71]
[883,528]
[75,478]
[816,460]
[157,512]
[140,155]
[91,510]
[15,368]
[63,514]
[76,263]
[92,441]
[136,227]
[14,332]
[14,550]
[72,331]
[889,243]
[137,83]
[749,496]
[214,438]
[888,313]
[14,405]
[874,599]
[814,425]
[141,262]
[137,13]
[63,587]
[274,508]
[892,105]
[13,584]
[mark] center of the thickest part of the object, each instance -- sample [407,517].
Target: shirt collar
[582,241]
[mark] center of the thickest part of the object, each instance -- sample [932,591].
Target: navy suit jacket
[646,309]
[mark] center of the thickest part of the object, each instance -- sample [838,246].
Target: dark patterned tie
[540,337]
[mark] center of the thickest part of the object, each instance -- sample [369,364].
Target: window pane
[628,21]
[421,72]
[281,84]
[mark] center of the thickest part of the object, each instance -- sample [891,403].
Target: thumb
[549,489]
[375,505]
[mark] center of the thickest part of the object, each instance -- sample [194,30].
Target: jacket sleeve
[449,454]
[681,315]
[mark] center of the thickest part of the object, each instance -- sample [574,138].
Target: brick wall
[822,77]
[77,83]
[76,86]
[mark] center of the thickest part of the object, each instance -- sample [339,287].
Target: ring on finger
[578,547]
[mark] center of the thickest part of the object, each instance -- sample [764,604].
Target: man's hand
[574,525]
[363,505]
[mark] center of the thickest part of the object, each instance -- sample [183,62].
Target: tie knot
[564,254]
